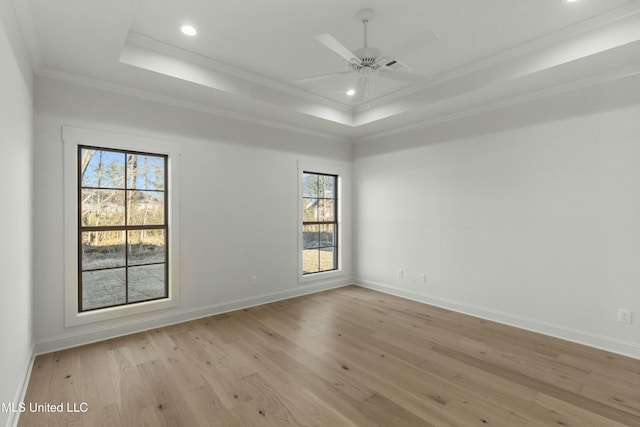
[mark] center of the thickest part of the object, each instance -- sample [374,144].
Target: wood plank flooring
[346,357]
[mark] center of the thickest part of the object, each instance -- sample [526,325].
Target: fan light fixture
[188,30]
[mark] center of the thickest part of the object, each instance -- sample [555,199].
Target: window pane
[145,207]
[326,186]
[103,288]
[102,207]
[145,172]
[120,191]
[326,210]
[310,236]
[146,247]
[328,259]
[104,169]
[310,209]
[309,185]
[327,235]
[310,261]
[102,249]
[146,282]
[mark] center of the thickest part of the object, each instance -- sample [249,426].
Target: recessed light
[570,1]
[188,30]
[351,92]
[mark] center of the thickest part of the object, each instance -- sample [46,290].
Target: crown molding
[594,80]
[149,43]
[253,94]
[590,81]
[148,95]
[552,39]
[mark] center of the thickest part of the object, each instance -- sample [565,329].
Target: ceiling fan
[367,61]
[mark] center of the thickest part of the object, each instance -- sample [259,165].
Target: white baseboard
[131,326]
[613,345]
[22,389]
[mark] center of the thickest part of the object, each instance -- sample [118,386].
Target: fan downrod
[368,55]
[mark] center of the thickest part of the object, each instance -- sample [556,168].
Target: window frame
[334,222]
[321,169]
[74,138]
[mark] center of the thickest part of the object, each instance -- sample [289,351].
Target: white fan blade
[321,77]
[405,77]
[333,44]
[361,89]
[414,43]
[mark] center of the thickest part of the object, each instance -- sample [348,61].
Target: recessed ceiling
[275,39]
[247,55]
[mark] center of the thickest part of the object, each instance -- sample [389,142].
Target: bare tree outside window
[122,236]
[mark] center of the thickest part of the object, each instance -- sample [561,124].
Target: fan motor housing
[368,57]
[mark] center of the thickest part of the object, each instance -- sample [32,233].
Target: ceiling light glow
[351,92]
[188,30]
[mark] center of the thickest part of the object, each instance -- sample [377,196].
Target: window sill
[76,319]
[314,277]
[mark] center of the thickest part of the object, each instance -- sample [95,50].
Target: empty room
[330,213]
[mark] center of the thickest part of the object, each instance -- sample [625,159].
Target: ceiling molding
[594,80]
[253,90]
[551,39]
[148,95]
[601,47]
[140,40]
[602,78]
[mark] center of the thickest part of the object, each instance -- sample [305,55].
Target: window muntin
[122,227]
[319,222]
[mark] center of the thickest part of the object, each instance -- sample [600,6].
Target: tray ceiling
[247,55]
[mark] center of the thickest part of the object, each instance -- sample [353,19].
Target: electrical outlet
[423,278]
[400,273]
[624,316]
[254,280]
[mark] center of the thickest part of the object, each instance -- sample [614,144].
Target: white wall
[238,189]
[529,215]
[16,152]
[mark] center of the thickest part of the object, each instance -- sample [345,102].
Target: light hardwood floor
[345,357]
